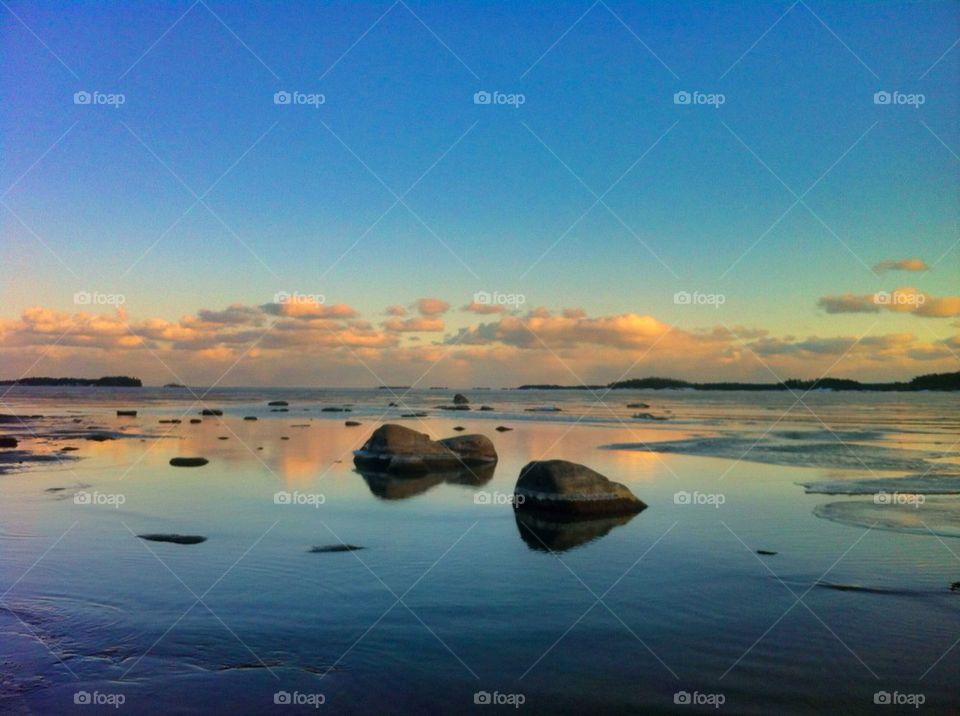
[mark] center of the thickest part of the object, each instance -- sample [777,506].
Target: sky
[797,217]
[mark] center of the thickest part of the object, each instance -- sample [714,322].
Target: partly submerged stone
[398,449]
[320,549]
[568,487]
[460,399]
[278,403]
[211,411]
[188,461]
[8,442]
[174,538]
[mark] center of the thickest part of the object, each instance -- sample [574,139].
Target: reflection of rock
[551,532]
[400,450]
[400,487]
[559,486]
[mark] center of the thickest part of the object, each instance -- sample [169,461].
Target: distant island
[932,381]
[108,381]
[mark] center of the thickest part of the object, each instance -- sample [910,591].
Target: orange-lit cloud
[901,265]
[900,300]
[278,345]
[431,306]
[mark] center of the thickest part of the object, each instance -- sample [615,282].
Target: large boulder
[472,449]
[398,449]
[569,488]
[460,399]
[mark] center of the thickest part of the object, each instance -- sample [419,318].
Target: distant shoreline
[110,381]
[933,381]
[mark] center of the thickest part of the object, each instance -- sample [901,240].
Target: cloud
[306,307]
[417,324]
[484,309]
[901,265]
[269,346]
[900,300]
[395,310]
[431,306]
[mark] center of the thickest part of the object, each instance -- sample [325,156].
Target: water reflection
[553,533]
[393,487]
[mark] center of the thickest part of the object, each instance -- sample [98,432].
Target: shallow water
[451,595]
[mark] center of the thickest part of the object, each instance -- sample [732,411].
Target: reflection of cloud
[901,265]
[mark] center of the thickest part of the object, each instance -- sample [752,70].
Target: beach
[728,590]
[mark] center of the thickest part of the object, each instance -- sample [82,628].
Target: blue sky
[598,80]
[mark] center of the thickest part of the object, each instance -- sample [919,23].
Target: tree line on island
[932,381]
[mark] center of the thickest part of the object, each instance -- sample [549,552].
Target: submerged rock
[453,407]
[351,423]
[211,411]
[459,428]
[7,442]
[567,487]
[334,409]
[126,413]
[544,409]
[398,449]
[503,429]
[318,549]
[647,416]
[249,417]
[188,461]
[638,406]
[414,415]
[486,407]
[174,538]
[195,420]
[100,437]
[278,403]
[766,552]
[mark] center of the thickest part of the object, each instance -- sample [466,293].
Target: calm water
[450,596]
